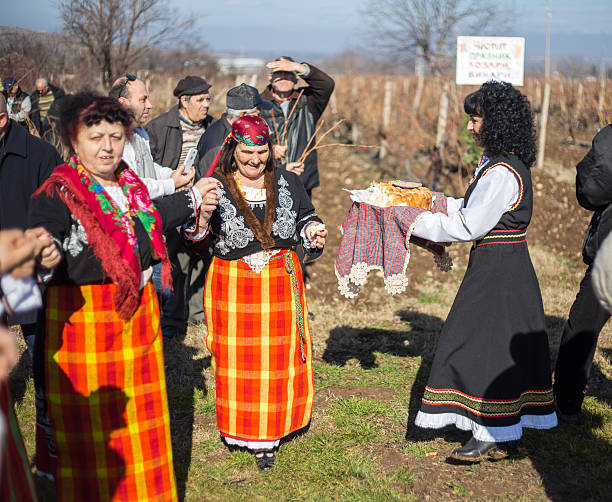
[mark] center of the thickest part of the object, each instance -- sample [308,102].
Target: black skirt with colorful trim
[492,363]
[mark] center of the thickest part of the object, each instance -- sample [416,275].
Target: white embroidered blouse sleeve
[494,194]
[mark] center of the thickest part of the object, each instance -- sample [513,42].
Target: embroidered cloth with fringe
[377,238]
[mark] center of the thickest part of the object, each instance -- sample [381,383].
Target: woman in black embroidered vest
[254,301]
[491,370]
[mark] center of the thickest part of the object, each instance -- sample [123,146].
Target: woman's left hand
[316,233]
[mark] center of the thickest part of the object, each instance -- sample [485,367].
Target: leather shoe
[475,451]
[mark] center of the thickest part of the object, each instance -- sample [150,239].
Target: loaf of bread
[400,193]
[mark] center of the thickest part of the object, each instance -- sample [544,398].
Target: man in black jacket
[42,98]
[587,317]
[25,163]
[299,128]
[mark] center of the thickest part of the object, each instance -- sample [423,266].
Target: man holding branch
[295,112]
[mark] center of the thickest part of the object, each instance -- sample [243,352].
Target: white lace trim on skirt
[252,445]
[483,432]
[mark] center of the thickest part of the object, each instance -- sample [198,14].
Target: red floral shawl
[110,232]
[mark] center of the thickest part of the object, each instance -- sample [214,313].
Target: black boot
[265,459]
[475,451]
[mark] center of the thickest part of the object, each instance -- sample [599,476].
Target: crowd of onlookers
[106,244]
[138,212]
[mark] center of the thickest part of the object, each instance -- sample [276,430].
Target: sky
[327,28]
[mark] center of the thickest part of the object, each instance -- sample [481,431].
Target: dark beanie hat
[245,97]
[191,85]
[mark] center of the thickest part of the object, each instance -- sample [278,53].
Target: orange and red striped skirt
[106,397]
[261,349]
[16,484]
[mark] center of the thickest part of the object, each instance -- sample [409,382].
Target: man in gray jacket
[133,95]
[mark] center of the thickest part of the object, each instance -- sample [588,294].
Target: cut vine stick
[314,134]
[306,153]
[275,128]
[347,145]
[289,117]
[24,76]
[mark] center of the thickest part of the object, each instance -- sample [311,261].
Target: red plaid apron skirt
[256,333]
[106,396]
[16,484]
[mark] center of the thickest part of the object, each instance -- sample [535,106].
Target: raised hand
[286,65]
[279,151]
[47,254]
[210,198]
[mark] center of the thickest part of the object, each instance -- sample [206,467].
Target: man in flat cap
[239,101]
[171,136]
[173,133]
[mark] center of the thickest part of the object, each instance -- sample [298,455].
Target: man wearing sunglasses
[132,94]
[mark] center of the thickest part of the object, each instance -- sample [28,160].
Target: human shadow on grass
[346,342]
[184,374]
[20,375]
[418,340]
[574,461]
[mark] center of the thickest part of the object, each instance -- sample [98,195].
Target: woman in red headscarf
[254,301]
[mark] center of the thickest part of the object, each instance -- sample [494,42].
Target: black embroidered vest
[512,226]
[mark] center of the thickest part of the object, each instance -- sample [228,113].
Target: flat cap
[245,97]
[191,85]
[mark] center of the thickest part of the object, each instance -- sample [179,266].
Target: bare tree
[117,33]
[426,29]
[27,55]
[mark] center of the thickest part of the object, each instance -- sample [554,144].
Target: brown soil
[558,221]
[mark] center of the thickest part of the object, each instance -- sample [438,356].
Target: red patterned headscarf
[248,130]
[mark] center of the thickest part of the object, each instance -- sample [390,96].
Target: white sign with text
[490,58]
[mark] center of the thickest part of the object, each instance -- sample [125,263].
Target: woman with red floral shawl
[102,350]
[254,300]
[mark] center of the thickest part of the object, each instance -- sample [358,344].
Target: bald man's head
[42,85]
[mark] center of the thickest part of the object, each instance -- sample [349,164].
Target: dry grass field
[372,354]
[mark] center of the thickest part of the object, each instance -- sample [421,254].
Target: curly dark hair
[507,121]
[87,108]
[227,164]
